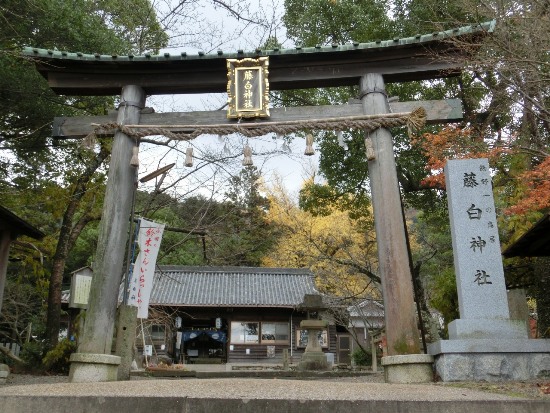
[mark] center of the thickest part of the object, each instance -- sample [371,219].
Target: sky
[275,160]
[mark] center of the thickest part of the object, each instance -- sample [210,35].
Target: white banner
[141,284]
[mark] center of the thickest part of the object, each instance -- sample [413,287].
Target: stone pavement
[244,395]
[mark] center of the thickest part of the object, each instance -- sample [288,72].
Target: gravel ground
[533,389]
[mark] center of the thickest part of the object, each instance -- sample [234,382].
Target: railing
[13,347]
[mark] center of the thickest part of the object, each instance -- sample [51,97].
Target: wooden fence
[13,347]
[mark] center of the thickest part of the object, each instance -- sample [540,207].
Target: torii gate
[368,64]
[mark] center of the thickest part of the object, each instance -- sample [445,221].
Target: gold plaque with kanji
[248,88]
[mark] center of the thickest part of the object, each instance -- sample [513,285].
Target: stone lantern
[313,357]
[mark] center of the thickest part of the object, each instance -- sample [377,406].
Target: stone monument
[484,343]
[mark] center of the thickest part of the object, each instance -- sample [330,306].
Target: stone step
[257,395]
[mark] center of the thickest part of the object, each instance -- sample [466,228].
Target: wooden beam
[439,111]
[213,78]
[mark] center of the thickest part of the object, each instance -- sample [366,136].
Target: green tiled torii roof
[240,54]
[399,59]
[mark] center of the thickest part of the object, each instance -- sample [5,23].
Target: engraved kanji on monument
[480,280]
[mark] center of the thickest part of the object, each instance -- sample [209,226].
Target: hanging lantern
[189,157]
[135,159]
[247,160]
[309,145]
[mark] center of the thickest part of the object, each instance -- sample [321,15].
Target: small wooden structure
[230,314]
[534,243]
[11,227]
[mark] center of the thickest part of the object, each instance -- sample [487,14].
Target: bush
[361,358]
[57,359]
[32,353]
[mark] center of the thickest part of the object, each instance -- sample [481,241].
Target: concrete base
[87,367]
[491,360]
[410,368]
[313,360]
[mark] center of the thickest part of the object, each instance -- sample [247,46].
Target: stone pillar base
[87,367]
[4,373]
[491,360]
[409,368]
[313,360]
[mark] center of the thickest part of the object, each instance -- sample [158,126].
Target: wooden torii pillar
[404,363]
[93,361]
[396,60]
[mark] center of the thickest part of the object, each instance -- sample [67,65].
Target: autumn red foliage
[537,193]
[451,143]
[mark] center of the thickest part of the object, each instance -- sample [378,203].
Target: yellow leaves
[331,246]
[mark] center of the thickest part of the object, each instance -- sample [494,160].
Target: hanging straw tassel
[89,141]
[309,145]
[135,159]
[189,157]
[247,160]
[416,120]
[369,148]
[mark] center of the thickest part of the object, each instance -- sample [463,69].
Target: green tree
[206,231]
[322,22]
[245,234]
[504,89]
[28,107]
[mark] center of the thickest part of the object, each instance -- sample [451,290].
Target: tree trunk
[67,237]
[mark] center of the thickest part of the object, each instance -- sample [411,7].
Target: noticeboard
[80,289]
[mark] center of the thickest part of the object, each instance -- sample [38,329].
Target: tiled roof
[419,57]
[240,54]
[368,308]
[231,286]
